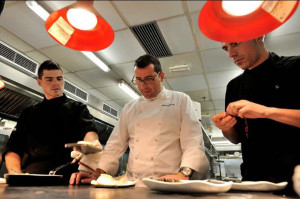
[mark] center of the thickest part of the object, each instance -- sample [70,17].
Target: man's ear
[261,39]
[39,81]
[162,76]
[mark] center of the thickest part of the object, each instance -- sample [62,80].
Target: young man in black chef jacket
[263,111]
[37,144]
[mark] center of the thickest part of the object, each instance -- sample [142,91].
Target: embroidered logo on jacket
[168,105]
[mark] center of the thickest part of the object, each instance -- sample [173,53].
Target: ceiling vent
[72,89]
[17,59]
[150,37]
[109,110]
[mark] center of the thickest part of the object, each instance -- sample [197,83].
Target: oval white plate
[258,186]
[188,186]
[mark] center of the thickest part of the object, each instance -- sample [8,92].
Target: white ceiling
[210,70]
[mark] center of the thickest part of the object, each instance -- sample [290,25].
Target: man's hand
[247,109]
[173,177]
[85,178]
[81,178]
[88,162]
[224,121]
[13,162]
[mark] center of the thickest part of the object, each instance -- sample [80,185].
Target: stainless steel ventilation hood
[13,100]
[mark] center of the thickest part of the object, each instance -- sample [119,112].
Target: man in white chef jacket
[161,129]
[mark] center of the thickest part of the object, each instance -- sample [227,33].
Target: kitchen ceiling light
[65,31]
[96,61]
[82,19]
[127,89]
[39,10]
[220,25]
[179,68]
[239,8]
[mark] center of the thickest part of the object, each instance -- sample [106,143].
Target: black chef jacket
[43,129]
[270,149]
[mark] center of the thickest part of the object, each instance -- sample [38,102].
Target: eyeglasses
[147,80]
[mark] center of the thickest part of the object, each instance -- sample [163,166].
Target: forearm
[286,116]
[13,162]
[232,135]
[91,136]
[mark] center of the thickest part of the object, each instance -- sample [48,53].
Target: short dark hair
[48,65]
[145,60]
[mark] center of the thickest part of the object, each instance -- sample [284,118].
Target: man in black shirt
[37,144]
[263,111]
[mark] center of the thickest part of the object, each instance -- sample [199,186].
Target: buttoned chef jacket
[163,134]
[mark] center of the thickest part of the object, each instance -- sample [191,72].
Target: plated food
[107,181]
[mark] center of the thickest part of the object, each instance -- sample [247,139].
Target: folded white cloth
[296,179]
[88,162]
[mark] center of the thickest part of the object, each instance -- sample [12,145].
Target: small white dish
[258,186]
[188,186]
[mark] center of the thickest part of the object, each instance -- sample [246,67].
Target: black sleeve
[86,121]
[18,138]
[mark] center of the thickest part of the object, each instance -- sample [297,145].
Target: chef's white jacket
[163,134]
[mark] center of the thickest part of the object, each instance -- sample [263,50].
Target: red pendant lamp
[218,24]
[60,28]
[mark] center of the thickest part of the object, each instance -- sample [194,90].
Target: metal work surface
[85,192]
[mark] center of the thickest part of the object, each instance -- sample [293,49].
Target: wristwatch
[186,171]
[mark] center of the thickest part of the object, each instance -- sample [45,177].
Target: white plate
[127,184]
[84,147]
[258,186]
[188,186]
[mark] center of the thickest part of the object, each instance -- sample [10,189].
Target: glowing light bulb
[240,8]
[82,19]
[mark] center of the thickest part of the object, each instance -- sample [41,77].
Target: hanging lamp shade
[217,24]
[61,30]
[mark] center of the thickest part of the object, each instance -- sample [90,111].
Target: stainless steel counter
[89,192]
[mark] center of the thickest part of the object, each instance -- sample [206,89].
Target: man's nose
[231,53]
[55,81]
[143,84]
